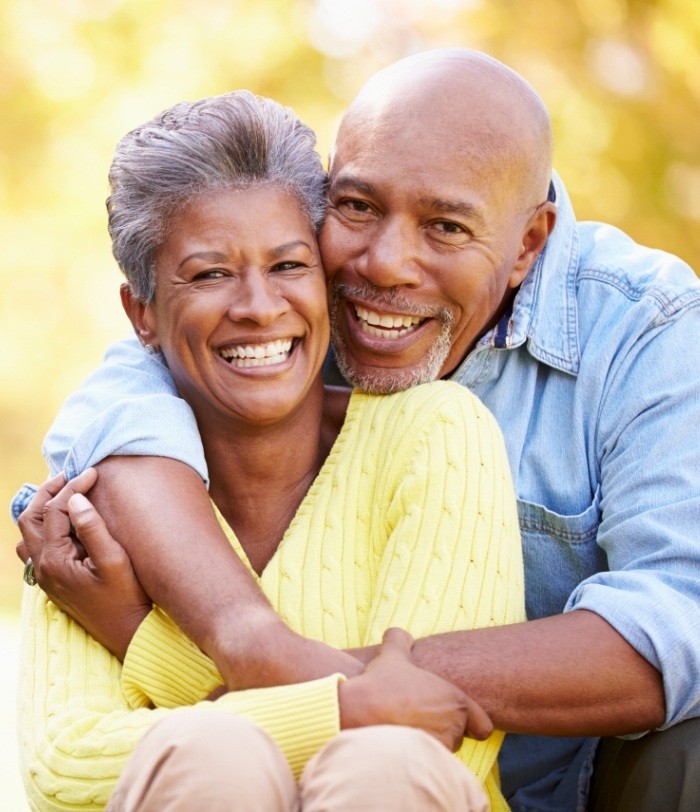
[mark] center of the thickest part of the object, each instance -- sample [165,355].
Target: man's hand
[393,690]
[91,579]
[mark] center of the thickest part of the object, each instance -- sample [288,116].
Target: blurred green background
[621,79]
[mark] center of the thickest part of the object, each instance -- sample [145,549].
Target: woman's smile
[257,355]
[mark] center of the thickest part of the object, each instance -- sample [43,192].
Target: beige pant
[213,761]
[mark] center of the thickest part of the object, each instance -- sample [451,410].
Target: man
[450,253]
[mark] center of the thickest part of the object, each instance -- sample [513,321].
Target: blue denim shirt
[594,378]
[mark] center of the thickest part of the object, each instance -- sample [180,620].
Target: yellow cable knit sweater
[411,522]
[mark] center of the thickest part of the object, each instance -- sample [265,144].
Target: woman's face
[240,305]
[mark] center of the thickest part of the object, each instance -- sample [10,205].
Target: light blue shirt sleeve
[650,504]
[128,407]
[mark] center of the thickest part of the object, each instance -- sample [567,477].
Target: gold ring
[29,573]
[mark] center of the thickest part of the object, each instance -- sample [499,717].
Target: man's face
[420,247]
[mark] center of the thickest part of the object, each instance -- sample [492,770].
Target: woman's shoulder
[428,399]
[423,408]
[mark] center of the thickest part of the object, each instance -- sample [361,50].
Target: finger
[47,491]
[31,521]
[80,484]
[57,526]
[22,550]
[398,641]
[92,532]
[479,724]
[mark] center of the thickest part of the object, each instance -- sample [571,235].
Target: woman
[349,509]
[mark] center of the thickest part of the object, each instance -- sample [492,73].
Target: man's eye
[449,227]
[354,207]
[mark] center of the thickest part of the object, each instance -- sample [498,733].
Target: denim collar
[544,311]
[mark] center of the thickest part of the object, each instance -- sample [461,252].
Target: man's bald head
[438,211]
[500,121]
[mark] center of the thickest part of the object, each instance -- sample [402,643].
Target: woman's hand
[91,579]
[393,690]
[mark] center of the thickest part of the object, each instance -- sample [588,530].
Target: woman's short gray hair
[235,140]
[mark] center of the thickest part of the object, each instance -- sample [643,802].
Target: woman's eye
[290,265]
[209,275]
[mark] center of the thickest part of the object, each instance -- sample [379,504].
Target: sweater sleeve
[77,729]
[163,667]
[453,558]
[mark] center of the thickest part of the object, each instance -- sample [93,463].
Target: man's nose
[391,255]
[258,299]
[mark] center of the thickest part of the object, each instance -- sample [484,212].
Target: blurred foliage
[621,78]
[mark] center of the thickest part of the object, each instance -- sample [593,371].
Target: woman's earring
[150,349]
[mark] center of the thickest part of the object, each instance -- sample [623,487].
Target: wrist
[251,652]
[352,704]
[124,630]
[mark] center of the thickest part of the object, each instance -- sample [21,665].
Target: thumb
[92,531]
[479,724]
[398,641]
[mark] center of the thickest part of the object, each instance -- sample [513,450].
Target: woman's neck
[259,475]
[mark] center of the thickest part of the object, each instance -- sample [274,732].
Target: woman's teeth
[386,325]
[258,355]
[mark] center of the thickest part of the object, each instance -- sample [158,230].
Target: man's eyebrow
[350,183]
[460,207]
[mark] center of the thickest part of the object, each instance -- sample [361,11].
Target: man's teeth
[386,325]
[258,355]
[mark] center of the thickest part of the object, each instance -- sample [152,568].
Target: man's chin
[361,370]
[381,380]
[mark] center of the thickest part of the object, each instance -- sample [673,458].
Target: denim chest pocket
[559,552]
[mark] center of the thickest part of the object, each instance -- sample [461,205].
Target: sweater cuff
[164,667]
[300,718]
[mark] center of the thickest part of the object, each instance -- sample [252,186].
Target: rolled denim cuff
[21,500]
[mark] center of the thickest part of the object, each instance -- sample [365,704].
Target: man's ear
[142,316]
[537,230]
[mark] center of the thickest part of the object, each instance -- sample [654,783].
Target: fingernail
[79,503]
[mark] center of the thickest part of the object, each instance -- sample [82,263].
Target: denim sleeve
[128,407]
[649,441]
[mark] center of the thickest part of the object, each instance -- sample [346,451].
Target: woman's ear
[142,316]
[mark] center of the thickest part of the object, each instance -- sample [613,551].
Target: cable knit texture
[411,522]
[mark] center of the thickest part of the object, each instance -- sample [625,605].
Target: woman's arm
[127,419]
[262,650]
[77,730]
[165,668]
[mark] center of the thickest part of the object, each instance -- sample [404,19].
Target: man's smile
[385,325]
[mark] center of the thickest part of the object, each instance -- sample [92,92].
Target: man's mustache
[391,299]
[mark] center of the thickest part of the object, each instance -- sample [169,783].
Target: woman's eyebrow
[207,256]
[288,246]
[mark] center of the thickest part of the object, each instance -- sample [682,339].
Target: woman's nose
[390,257]
[258,299]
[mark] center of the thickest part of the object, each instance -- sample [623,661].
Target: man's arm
[567,675]
[625,656]
[128,406]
